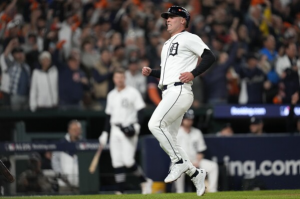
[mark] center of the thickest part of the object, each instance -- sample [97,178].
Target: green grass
[289,194]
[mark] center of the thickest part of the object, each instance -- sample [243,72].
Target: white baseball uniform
[193,143]
[179,54]
[123,106]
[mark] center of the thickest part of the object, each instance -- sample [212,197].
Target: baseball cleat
[147,186]
[5,172]
[199,182]
[176,171]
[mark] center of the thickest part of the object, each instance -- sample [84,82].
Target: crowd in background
[62,53]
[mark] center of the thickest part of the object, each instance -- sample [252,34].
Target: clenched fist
[146,71]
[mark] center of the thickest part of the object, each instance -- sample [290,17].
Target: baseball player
[191,140]
[124,112]
[179,57]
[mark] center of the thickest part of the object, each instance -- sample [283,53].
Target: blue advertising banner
[238,111]
[13,147]
[273,160]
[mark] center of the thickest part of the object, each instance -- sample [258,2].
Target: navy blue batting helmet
[177,11]
[189,114]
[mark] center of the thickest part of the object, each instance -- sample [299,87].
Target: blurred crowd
[62,53]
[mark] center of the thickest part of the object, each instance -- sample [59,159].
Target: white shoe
[199,182]
[118,193]
[176,171]
[147,186]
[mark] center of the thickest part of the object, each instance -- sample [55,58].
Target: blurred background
[57,58]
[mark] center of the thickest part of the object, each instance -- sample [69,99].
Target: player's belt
[165,87]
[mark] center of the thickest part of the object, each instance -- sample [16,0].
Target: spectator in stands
[253,81]
[44,85]
[289,60]
[70,32]
[269,48]
[226,131]
[192,142]
[66,163]
[102,75]
[134,77]
[31,50]
[15,76]
[33,180]
[151,51]
[215,79]
[198,91]
[255,26]
[256,126]
[118,59]
[72,82]
[89,56]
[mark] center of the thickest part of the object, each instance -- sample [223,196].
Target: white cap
[44,54]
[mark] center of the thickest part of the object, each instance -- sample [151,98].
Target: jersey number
[174,49]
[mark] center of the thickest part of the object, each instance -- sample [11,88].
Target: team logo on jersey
[174,49]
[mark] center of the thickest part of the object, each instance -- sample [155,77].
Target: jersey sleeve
[195,44]
[201,146]
[108,108]
[138,101]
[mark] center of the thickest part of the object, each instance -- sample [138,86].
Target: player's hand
[146,71]
[186,77]
[103,138]
[129,131]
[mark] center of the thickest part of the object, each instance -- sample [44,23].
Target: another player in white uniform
[179,58]
[124,106]
[192,142]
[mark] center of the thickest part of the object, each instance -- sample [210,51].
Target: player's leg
[197,176]
[128,153]
[169,110]
[173,129]
[212,169]
[116,158]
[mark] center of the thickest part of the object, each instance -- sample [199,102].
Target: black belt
[165,87]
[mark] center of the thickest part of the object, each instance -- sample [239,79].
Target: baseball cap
[189,114]
[177,11]
[255,120]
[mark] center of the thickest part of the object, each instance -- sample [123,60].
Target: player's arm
[146,71]
[208,59]
[155,73]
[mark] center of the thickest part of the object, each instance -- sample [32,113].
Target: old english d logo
[174,49]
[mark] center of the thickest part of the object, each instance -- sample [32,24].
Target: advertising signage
[238,111]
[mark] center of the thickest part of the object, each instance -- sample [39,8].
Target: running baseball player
[124,113]
[179,57]
[192,141]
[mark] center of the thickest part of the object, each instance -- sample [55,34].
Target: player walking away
[179,58]
[124,112]
[191,140]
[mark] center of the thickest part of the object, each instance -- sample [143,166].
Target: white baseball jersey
[123,106]
[180,54]
[192,142]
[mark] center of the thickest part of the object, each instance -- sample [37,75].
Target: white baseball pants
[212,169]
[167,117]
[122,148]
